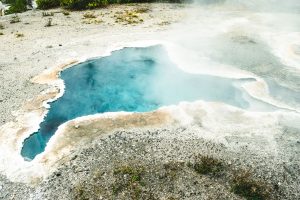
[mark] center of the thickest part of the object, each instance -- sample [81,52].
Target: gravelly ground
[90,171]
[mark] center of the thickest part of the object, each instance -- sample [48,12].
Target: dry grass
[134,181]
[66,13]
[91,18]
[15,19]
[128,178]
[142,10]
[207,165]
[173,168]
[47,14]
[49,23]
[89,15]
[92,21]
[128,17]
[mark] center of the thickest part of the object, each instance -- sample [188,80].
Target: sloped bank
[156,164]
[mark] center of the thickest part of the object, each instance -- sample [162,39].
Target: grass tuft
[47,14]
[244,185]
[89,15]
[128,178]
[19,35]
[15,19]
[207,165]
[66,13]
[142,10]
[128,17]
[49,23]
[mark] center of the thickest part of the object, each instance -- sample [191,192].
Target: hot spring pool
[133,80]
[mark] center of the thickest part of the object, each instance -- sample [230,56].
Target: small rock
[278,183]
[76,126]
[74,157]
[58,174]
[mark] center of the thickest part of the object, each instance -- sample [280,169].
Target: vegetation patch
[47,4]
[1,33]
[2,27]
[66,13]
[18,35]
[83,4]
[82,191]
[138,180]
[129,179]
[172,168]
[89,15]
[207,165]
[91,18]
[142,10]
[17,6]
[164,23]
[15,19]
[49,23]
[244,185]
[92,21]
[128,17]
[47,14]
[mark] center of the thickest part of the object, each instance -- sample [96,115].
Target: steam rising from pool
[222,43]
[133,80]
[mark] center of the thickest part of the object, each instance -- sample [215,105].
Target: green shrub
[17,6]
[90,4]
[83,4]
[47,4]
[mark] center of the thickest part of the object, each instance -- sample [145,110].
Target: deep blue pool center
[133,80]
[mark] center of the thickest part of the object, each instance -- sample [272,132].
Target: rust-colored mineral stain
[76,133]
[37,102]
[51,75]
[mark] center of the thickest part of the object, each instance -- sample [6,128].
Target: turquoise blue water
[131,79]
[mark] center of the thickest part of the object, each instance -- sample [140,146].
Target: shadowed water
[131,79]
